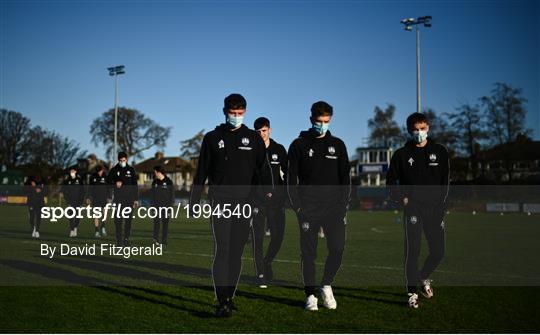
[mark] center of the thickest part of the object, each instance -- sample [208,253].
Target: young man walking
[125,194]
[73,191]
[98,196]
[163,200]
[271,211]
[231,157]
[319,187]
[418,178]
[37,192]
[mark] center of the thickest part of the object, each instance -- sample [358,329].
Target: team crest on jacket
[274,157]
[413,219]
[305,226]
[331,150]
[310,153]
[245,141]
[410,161]
[432,157]
[221,144]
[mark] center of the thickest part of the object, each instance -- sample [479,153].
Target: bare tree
[468,125]
[136,132]
[191,147]
[505,113]
[14,130]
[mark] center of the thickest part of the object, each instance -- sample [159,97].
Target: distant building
[176,168]
[516,161]
[371,165]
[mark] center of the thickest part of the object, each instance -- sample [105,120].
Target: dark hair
[73,167]
[261,122]
[234,101]
[100,168]
[159,168]
[415,118]
[122,154]
[321,108]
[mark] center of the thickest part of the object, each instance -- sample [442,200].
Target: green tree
[384,130]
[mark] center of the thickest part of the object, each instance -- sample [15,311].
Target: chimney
[158,155]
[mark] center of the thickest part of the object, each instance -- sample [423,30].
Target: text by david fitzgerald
[102,249]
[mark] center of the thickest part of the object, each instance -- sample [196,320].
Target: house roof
[519,150]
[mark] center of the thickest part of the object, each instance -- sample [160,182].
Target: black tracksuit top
[412,169]
[232,161]
[73,190]
[271,179]
[34,198]
[98,189]
[318,172]
[162,192]
[129,192]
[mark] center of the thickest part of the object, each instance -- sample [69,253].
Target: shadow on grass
[99,284]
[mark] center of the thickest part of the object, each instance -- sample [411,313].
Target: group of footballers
[244,166]
[118,186]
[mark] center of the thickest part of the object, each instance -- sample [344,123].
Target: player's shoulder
[398,153]
[336,140]
[439,147]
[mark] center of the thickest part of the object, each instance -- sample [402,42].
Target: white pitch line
[378,231]
[373,267]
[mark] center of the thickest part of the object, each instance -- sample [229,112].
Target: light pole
[115,71]
[426,21]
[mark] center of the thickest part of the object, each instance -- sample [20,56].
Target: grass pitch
[489,281]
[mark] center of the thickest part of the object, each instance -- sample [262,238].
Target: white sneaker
[34,232]
[267,233]
[71,233]
[327,297]
[311,303]
[321,233]
[413,300]
[97,234]
[75,232]
[37,234]
[427,291]
[103,232]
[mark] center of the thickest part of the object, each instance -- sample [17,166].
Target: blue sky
[183,57]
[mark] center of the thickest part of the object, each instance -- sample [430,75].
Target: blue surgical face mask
[320,127]
[235,121]
[419,136]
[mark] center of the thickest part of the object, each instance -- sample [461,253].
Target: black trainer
[261,282]
[231,305]
[223,310]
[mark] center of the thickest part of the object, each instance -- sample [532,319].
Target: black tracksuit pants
[334,230]
[418,219]
[164,223]
[122,227]
[74,221]
[230,237]
[275,217]
[34,216]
